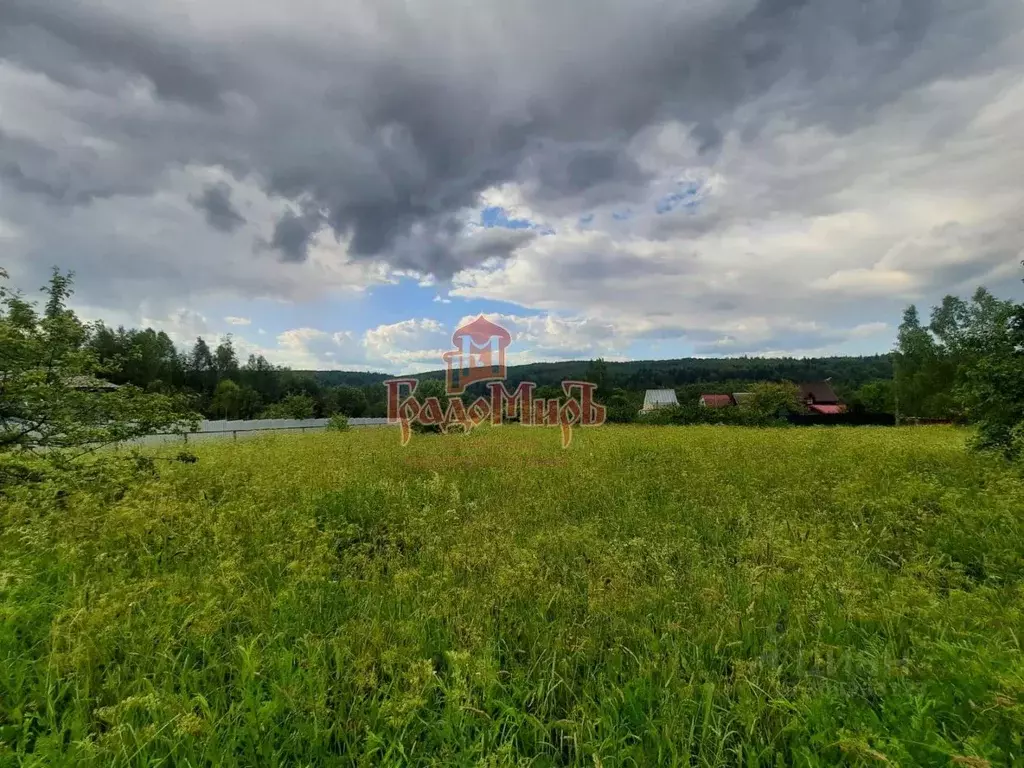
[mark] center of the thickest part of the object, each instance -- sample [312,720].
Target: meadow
[696,596]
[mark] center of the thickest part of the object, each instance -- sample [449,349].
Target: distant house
[659,398]
[743,398]
[716,401]
[819,397]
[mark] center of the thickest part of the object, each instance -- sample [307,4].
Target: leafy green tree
[917,363]
[51,398]
[772,399]
[875,397]
[430,389]
[991,379]
[227,400]
[293,406]
[622,407]
[225,360]
[350,401]
[597,373]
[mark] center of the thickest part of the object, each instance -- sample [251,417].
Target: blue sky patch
[496,216]
[687,196]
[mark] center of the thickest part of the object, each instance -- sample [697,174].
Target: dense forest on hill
[851,372]
[690,377]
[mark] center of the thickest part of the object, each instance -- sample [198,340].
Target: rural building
[819,397]
[659,398]
[716,401]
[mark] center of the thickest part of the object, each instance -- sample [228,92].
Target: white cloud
[237,320]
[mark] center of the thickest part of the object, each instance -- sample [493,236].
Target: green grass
[691,596]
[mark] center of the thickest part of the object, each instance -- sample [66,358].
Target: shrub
[338,423]
[697,414]
[427,389]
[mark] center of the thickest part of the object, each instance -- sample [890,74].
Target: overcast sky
[338,183]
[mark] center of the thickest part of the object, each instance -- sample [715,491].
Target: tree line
[219,385]
[963,365]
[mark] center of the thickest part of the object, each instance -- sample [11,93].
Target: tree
[225,360]
[350,401]
[937,368]
[876,397]
[770,399]
[293,406]
[622,407]
[597,373]
[227,400]
[430,389]
[50,395]
[916,368]
[991,381]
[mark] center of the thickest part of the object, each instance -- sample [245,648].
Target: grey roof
[742,397]
[659,398]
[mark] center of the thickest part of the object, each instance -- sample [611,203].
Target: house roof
[716,401]
[828,410]
[742,397]
[660,398]
[818,391]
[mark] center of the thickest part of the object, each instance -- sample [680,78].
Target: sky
[340,183]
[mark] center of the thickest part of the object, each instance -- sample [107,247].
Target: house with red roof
[819,397]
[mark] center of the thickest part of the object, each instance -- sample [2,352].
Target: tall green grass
[696,596]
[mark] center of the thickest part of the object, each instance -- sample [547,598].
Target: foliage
[692,375]
[622,407]
[694,413]
[874,397]
[992,388]
[701,596]
[933,364]
[773,399]
[51,396]
[431,389]
[338,423]
[293,406]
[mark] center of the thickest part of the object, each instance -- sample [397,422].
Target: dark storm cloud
[57,37]
[447,248]
[387,125]
[60,174]
[293,233]
[215,204]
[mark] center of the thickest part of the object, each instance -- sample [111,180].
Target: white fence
[235,429]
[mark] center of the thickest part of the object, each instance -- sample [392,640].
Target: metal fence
[234,429]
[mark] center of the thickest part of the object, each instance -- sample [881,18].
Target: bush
[621,408]
[697,414]
[294,406]
[428,389]
[338,423]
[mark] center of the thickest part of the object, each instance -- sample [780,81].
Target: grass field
[676,596]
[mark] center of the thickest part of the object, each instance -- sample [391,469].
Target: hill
[846,372]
